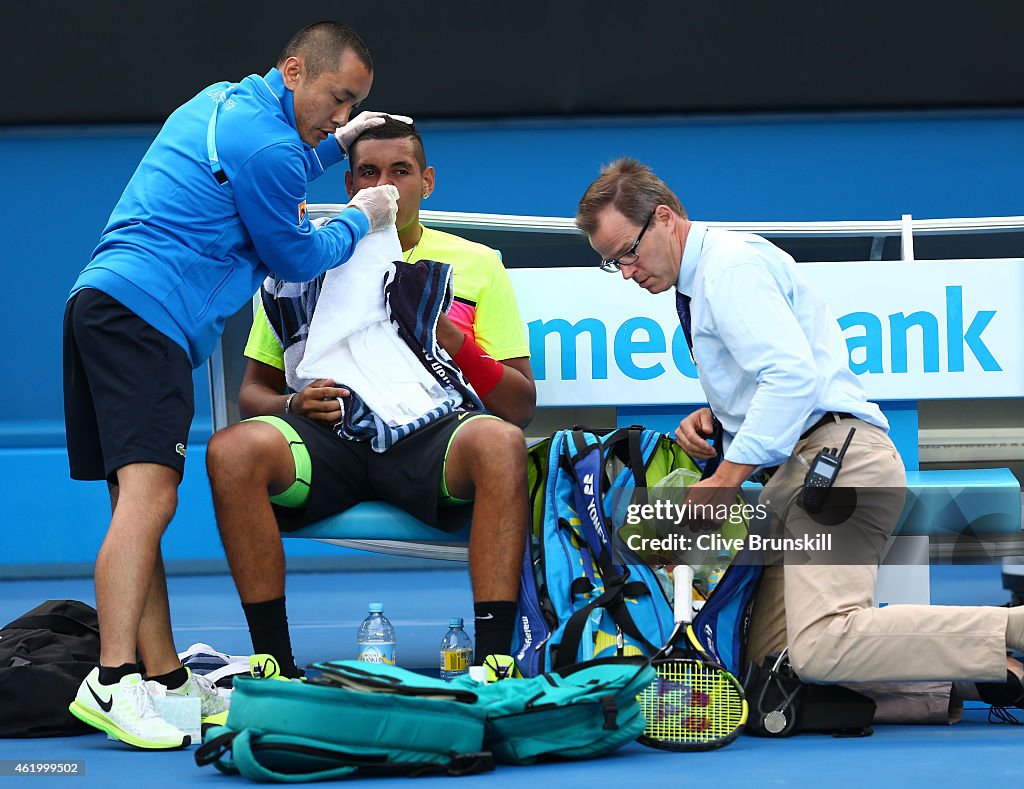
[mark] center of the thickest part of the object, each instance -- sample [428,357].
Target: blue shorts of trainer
[340,474]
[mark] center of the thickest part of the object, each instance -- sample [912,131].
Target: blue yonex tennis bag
[722,625]
[360,719]
[581,595]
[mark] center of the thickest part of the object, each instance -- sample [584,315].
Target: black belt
[829,418]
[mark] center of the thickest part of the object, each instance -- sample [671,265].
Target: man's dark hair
[321,45]
[393,130]
[631,188]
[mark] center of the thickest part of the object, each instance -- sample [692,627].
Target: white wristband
[288,403]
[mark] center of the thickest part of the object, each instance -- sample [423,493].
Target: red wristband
[482,371]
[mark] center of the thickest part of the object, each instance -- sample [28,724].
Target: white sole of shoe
[103,723]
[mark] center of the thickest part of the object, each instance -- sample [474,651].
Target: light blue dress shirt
[771,357]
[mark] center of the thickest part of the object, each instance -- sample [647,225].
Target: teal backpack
[291,731]
[360,719]
[578,712]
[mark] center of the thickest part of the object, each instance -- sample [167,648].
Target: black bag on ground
[44,656]
[782,705]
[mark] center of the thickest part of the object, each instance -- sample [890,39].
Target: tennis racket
[694,704]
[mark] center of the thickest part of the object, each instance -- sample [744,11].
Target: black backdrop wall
[113,61]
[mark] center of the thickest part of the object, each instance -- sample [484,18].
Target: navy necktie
[683,308]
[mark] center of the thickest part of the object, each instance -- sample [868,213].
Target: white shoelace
[141,701]
[213,700]
[204,683]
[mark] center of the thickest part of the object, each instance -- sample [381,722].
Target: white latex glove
[379,203]
[346,135]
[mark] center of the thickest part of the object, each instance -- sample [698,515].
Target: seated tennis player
[285,467]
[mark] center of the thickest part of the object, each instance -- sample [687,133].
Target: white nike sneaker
[198,686]
[125,711]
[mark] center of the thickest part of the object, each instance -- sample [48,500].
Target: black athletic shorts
[344,473]
[128,394]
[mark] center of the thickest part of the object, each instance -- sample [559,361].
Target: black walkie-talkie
[822,473]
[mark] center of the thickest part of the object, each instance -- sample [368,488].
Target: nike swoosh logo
[463,415]
[489,616]
[104,705]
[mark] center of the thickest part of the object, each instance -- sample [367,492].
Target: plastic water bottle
[665,582]
[456,650]
[376,637]
[713,573]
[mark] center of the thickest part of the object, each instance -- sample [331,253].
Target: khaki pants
[826,613]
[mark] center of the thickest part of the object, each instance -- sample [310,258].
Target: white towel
[352,341]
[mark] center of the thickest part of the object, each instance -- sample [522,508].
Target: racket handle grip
[682,585]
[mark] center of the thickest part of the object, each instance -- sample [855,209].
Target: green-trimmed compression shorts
[333,474]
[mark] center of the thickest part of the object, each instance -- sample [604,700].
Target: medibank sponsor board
[916,330]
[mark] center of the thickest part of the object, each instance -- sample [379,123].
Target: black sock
[111,676]
[268,628]
[494,623]
[172,679]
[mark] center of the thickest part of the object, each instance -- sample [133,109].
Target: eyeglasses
[628,258]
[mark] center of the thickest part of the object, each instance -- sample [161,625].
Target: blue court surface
[325,610]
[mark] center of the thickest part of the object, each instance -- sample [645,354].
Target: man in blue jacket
[217,203]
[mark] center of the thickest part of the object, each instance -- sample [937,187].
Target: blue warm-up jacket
[184,251]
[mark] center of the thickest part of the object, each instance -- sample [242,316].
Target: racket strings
[689,702]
